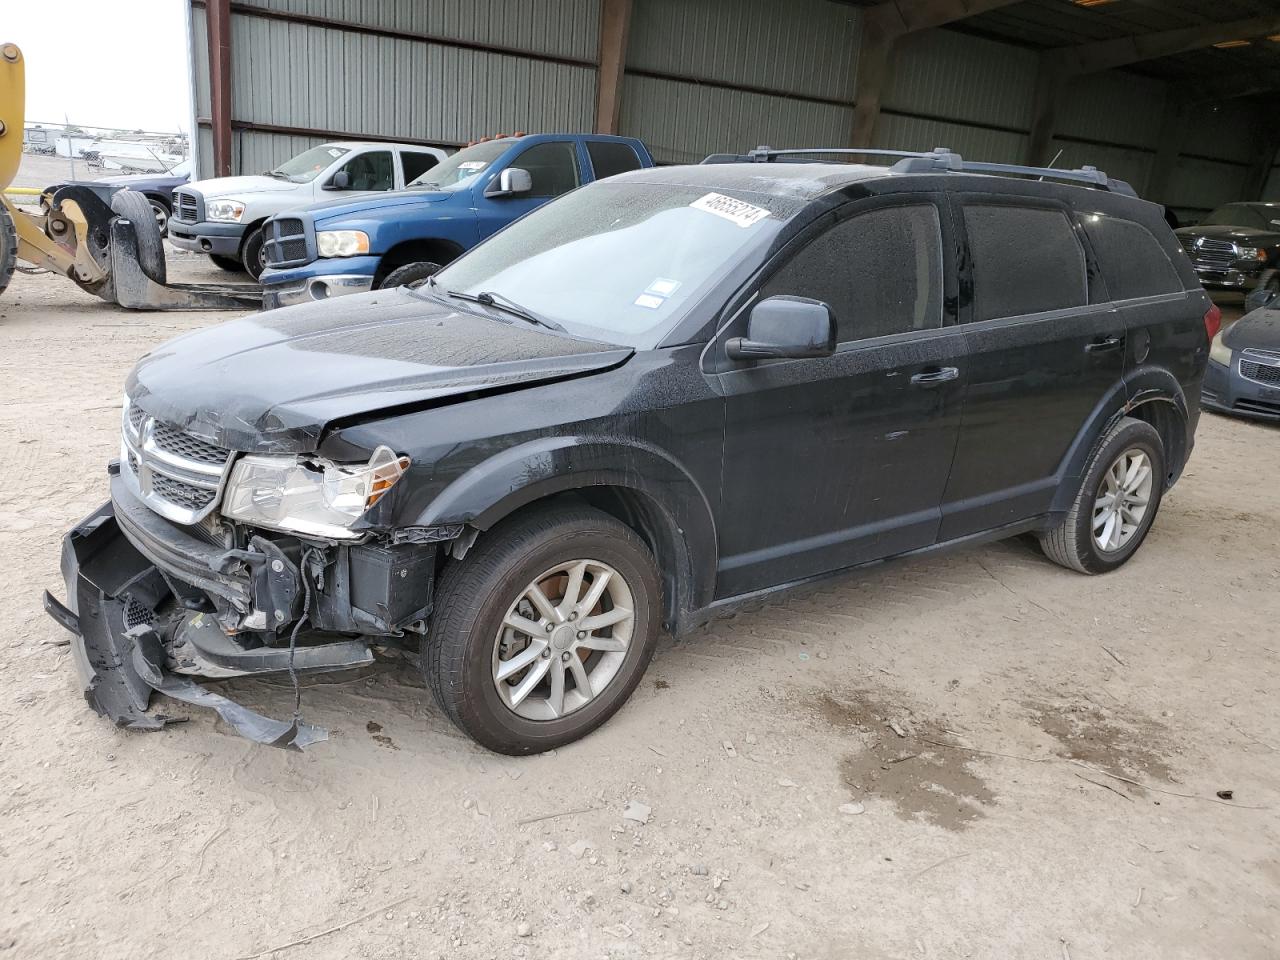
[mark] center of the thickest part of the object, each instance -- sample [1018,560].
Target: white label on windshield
[662,287]
[649,301]
[335,152]
[735,211]
[473,165]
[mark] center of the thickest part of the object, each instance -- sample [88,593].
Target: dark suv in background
[642,403]
[1237,247]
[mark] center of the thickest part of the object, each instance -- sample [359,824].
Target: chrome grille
[1261,367]
[287,243]
[186,208]
[177,475]
[1209,254]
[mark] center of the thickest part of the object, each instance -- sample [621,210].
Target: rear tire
[408,275]
[1117,502]
[8,247]
[468,656]
[230,264]
[136,208]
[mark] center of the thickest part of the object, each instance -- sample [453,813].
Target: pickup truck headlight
[310,495]
[1251,253]
[224,211]
[1219,352]
[342,243]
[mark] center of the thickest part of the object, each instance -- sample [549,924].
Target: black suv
[640,404]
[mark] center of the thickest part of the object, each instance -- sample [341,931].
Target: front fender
[541,468]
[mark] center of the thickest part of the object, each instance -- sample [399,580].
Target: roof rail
[938,160]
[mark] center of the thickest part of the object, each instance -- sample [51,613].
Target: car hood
[1248,236]
[367,204]
[137,180]
[274,382]
[1259,330]
[242,186]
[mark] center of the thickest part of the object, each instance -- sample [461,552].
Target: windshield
[619,261]
[1239,215]
[462,166]
[182,169]
[309,164]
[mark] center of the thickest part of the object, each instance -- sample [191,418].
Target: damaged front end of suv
[162,584]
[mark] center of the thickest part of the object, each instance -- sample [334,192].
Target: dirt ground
[806,764]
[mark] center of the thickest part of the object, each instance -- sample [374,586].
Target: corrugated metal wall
[807,50]
[702,76]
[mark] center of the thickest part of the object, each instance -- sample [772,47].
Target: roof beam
[1110,54]
[882,26]
[1060,65]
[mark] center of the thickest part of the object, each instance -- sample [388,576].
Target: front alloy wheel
[542,631]
[564,640]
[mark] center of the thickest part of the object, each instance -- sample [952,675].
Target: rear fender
[1143,385]
[543,468]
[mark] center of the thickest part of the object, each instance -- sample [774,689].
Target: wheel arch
[433,250]
[633,482]
[1151,394]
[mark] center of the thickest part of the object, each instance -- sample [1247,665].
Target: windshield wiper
[500,302]
[278,175]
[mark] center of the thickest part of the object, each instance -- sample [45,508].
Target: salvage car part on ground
[104,238]
[653,399]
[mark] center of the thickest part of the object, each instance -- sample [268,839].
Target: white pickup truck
[223,217]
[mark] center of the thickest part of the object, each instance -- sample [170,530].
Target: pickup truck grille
[186,206]
[288,242]
[1208,254]
[177,475]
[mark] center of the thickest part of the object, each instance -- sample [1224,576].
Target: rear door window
[880,272]
[415,163]
[1132,261]
[609,158]
[553,167]
[1025,260]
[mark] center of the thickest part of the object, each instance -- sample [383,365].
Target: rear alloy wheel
[543,631]
[1116,504]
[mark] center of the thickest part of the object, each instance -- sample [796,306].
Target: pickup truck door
[555,166]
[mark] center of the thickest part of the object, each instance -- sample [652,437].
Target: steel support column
[615,23]
[218,28]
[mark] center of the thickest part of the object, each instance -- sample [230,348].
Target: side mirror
[789,327]
[339,181]
[510,182]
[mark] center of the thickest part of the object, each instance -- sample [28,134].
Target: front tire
[1117,502]
[251,254]
[532,644]
[408,275]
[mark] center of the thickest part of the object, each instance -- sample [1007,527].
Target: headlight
[310,496]
[1219,352]
[1251,253]
[224,211]
[342,243]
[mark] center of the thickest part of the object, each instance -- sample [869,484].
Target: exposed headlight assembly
[1251,253]
[310,496]
[341,243]
[1219,352]
[224,211]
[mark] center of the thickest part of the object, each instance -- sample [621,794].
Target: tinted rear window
[416,164]
[1132,261]
[608,158]
[1025,260]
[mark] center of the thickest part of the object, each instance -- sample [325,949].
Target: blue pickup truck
[371,242]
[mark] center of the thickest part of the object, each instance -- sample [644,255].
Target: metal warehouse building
[1176,96]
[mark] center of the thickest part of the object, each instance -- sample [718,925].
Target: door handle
[931,378]
[1104,346]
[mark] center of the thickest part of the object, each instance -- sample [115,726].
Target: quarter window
[1132,261]
[880,272]
[609,157]
[1025,260]
[370,171]
[553,167]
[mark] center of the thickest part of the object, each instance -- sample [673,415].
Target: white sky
[108,64]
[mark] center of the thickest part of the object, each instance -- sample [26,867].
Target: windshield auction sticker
[735,211]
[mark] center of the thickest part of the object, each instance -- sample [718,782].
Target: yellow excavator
[103,238]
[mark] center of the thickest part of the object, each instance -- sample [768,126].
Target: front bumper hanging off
[112,592]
